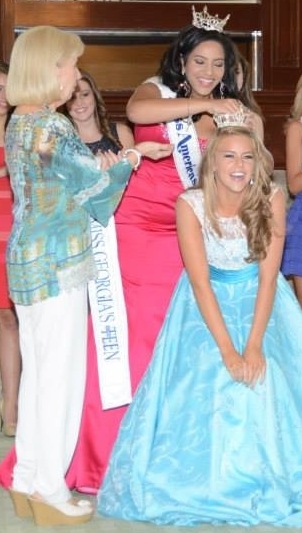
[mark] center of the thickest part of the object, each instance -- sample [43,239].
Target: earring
[184,87]
[221,88]
[252,181]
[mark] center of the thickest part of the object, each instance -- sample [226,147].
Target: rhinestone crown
[203,20]
[225,120]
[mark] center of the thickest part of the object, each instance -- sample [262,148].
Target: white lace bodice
[228,251]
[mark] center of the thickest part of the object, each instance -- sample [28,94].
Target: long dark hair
[170,69]
[100,112]
[245,92]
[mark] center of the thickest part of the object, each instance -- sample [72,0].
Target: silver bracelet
[138,155]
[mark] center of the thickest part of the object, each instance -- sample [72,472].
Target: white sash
[182,134]
[109,318]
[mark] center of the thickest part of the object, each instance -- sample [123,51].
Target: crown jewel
[202,20]
[225,120]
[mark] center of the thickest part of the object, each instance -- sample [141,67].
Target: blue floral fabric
[57,184]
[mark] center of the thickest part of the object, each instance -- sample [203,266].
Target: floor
[10,523]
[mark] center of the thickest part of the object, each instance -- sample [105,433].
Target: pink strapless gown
[150,264]
[6,220]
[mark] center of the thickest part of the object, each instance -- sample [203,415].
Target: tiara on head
[226,120]
[202,20]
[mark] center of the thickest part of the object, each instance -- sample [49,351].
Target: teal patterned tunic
[57,184]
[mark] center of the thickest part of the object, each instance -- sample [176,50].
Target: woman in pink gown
[151,232]
[149,256]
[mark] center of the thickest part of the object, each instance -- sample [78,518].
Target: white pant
[53,337]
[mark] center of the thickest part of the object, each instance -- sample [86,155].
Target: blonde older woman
[57,184]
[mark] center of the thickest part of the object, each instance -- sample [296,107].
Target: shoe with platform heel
[68,513]
[21,504]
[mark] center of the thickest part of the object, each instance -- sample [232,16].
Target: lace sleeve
[194,197]
[275,188]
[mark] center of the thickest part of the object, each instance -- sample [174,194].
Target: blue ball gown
[195,446]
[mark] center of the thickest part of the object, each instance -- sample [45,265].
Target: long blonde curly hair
[255,211]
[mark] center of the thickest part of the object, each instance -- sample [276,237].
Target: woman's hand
[224,106]
[255,366]
[154,150]
[108,159]
[255,123]
[250,120]
[235,364]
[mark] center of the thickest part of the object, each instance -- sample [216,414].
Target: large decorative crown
[226,120]
[202,20]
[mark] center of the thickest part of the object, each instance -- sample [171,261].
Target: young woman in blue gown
[214,434]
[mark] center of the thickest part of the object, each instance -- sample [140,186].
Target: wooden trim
[281,54]
[7,18]
[276,110]
[128,14]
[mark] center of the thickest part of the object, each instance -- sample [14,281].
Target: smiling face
[82,105]
[204,68]
[234,164]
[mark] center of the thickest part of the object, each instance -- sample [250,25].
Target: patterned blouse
[57,184]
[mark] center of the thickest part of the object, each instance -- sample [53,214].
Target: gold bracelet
[138,155]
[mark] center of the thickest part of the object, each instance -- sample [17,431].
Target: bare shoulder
[190,201]
[278,198]
[183,204]
[125,134]
[294,128]
[186,215]
[122,127]
[146,90]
